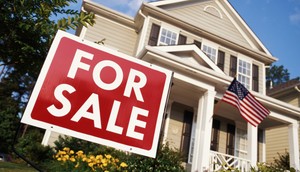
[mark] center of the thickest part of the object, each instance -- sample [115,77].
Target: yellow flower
[71,152]
[99,157]
[79,152]
[58,159]
[92,157]
[104,161]
[66,156]
[61,152]
[91,164]
[108,156]
[66,149]
[123,164]
[72,159]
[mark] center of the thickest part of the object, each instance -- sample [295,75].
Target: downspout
[143,33]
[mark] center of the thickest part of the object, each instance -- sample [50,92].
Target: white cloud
[295,17]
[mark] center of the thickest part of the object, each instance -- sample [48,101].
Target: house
[278,137]
[206,44]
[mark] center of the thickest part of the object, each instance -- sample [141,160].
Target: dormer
[216,29]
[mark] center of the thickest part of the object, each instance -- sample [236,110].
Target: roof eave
[99,9]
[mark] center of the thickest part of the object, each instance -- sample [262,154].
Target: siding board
[117,36]
[275,145]
[196,15]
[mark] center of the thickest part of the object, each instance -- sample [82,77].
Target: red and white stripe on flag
[249,107]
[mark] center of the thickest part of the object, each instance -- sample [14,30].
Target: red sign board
[94,93]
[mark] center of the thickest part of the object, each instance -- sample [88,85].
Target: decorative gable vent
[213,11]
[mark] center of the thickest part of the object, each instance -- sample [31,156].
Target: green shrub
[30,147]
[167,159]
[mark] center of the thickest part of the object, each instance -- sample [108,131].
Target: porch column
[203,132]
[294,145]
[252,144]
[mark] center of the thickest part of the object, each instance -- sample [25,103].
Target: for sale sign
[94,93]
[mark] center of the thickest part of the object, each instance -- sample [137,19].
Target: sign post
[97,94]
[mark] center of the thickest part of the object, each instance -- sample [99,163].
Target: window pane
[210,52]
[244,73]
[168,37]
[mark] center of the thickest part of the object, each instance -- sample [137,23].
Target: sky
[275,22]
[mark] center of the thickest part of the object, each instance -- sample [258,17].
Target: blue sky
[275,22]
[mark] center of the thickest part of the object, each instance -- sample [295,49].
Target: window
[167,37]
[241,143]
[244,73]
[197,43]
[255,77]
[221,59]
[210,52]
[154,35]
[214,144]
[230,139]
[182,40]
[233,66]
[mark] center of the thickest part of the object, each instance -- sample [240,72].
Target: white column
[203,132]
[167,121]
[252,144]
[294,145]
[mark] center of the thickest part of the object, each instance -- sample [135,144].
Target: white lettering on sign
[92,101]
[111,125]
[135,82]
[76,63]
[135,86]
[133,122]
[58,94]
[97,79]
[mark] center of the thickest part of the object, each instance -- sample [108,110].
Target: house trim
[242,29]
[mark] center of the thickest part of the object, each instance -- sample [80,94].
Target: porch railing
[220,161]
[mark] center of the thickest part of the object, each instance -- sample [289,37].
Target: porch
[222,140]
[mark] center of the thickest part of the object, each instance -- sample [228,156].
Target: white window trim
[212,45]
[240,126]
[193,136]
[248,60]
[169,28]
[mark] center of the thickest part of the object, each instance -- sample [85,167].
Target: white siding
[207,20]
[116,35]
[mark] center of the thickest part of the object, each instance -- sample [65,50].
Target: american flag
[250,108]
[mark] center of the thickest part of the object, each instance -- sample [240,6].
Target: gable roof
[280,88]
[225,9]
[191,55]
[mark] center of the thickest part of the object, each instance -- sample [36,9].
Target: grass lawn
[13,167]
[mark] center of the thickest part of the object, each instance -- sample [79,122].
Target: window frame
[212,45]
[238,73]
[170,29]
